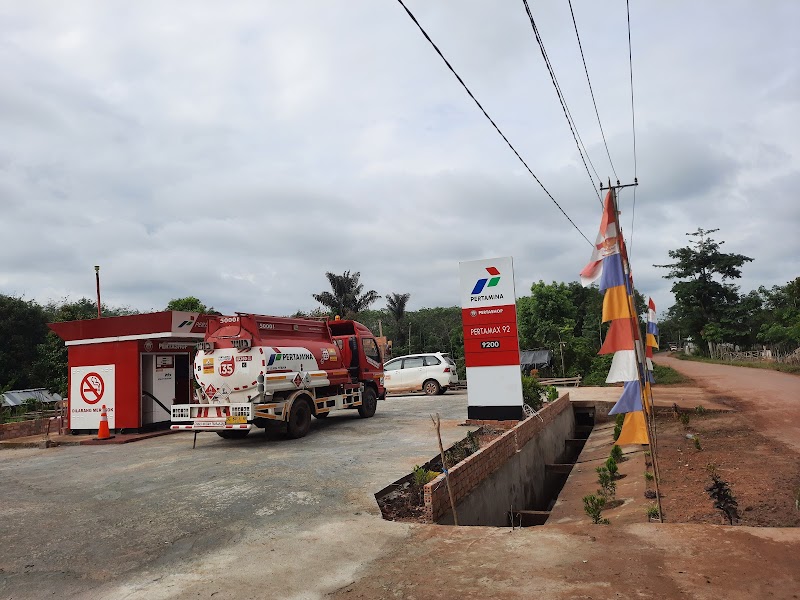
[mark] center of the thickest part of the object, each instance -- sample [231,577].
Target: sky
[239,151]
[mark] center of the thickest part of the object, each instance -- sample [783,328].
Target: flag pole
[638,349]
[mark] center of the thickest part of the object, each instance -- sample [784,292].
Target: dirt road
[770,398]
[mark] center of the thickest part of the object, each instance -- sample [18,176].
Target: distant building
[20,397]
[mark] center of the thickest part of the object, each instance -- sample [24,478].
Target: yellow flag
[634,429]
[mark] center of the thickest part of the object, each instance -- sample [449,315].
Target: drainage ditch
[512,479]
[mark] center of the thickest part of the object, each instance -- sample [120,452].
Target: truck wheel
[237,434]
[369,402]
[431,387]
[299,419]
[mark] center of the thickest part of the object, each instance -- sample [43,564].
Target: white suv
[431,373]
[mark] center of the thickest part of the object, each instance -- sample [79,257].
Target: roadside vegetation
[773,366]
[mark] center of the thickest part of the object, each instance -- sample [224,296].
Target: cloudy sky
[237,151]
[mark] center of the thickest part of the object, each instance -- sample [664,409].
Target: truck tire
[237,434]
[369,402]
[299,419]
[431,387]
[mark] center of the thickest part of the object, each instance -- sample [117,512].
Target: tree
[780,319]
[396,305]
[347,297]
[23,326]
[703,299]
[189,304]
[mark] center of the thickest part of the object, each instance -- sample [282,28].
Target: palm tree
[347,298]
[396,303]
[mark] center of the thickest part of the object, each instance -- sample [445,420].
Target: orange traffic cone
[103,433]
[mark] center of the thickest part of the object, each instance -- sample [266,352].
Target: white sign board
[491,346]
[91,388]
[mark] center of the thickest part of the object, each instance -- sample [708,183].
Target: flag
[630,400]
[617,338]
[606,244]
[634,429]
[624,367]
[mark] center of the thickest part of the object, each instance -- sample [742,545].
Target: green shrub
[608,487]
[616,453]
[533,392]
[652,511]
[620,419]
[552,393]
[684,419]
[598,371]
[612,467]
[593,506]
[700,410]
[648,476]
[697,444]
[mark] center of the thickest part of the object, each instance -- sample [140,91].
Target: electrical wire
[591,91]
[570,121]
[633,123]
[464,85]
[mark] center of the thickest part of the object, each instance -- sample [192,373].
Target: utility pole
[97,279]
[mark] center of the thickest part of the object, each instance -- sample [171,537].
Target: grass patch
[772,366]
[668,375]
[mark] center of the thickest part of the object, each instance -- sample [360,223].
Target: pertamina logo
[484,283]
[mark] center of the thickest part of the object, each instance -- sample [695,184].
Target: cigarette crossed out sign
[92,387]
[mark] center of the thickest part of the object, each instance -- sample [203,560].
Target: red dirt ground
[756,449]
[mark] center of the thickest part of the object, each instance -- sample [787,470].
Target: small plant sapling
[420,477]
[697,444]
[700,410]
[616,453]
[648,476]
[684,418]
[724,500]
[608,487]
[618,426]
[652,512]
[593,506]
[612,467]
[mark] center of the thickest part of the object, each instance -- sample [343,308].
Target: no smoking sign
[92,387]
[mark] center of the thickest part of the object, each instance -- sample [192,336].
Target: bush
[608,487]
[684,419]
[616,454]
[612,467]
[652,512]
[648,476]
[700,410]
[618,426]
[552,393]
[420,477]
[599,370]
[697,445]
[593,506]
[533,392]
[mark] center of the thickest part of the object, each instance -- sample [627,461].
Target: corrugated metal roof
[19,397]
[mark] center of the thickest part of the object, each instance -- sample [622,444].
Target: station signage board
[90,388]
[491,345]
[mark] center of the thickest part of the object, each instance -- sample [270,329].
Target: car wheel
[431,387]
[369,403]
[299,419]
[235,434]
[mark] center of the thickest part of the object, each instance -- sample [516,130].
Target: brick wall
[25,428]
[469,473]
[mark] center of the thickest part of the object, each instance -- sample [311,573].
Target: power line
[591,91]
[464,85]
[633,119]
[572,127]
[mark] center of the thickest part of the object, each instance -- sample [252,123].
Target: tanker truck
[254,369]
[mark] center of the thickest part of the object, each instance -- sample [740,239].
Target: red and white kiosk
[136,365]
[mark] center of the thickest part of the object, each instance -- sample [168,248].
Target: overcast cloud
[238,151]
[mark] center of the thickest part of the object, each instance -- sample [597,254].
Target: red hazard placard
[92,388]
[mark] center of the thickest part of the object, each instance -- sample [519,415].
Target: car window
[371,349]
[431,361]
[449,360]
[393,365]
[414,361]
